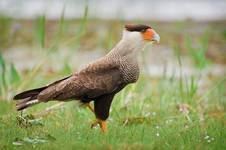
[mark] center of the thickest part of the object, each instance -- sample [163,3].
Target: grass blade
[14,75]
[40,30]
[2,73]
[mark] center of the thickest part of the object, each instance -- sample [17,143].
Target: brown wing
[95,80]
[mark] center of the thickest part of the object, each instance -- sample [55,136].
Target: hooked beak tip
[156,38]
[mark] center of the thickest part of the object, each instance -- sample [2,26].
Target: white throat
[130,44]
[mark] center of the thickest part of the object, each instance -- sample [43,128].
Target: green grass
[149,120]
[39,30]
[197,50]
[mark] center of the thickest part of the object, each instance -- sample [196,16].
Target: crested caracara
[100,80]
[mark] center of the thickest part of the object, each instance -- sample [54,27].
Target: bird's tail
[27,98]
[30,97]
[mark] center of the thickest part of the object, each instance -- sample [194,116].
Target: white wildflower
[206,137]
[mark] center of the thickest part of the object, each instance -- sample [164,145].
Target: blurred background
[65,35]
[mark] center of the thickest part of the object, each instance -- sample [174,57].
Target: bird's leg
[90,107]
[101,109]
[102,123]
[103,126]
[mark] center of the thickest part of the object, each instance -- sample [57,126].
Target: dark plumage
[138,28]
[98,82]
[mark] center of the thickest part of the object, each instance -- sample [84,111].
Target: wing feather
[99,78]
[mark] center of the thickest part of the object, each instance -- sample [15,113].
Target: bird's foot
[94,124]
[102,124]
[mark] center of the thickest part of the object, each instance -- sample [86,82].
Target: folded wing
[96,79]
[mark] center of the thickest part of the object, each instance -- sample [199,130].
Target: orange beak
[151,35]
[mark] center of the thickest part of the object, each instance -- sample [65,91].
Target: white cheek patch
[133,36]
[136,36]
[133,41]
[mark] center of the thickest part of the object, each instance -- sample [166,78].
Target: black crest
[138,28]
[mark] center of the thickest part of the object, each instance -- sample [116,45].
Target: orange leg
[103,126]
[102,123]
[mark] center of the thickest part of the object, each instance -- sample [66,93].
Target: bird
[99,81]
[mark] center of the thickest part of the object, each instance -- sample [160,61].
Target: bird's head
[134,38]
[140,34]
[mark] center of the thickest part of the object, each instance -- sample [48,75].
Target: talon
[94,124]
[102,123]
